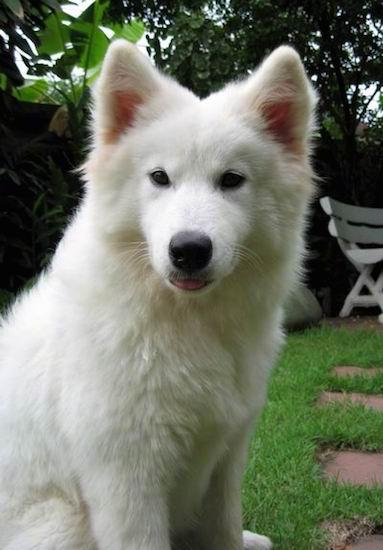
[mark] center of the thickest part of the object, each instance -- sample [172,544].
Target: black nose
[190,250]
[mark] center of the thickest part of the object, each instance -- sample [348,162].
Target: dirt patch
[325,454]
[342,533]
[352,323]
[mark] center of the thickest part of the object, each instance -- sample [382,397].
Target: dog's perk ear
[127,81]
[281,94]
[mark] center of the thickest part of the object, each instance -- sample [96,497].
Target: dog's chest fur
[167,391]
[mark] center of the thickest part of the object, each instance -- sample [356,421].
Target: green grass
[284,495]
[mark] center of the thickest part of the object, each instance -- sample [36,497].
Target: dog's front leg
[221,519]
[127,510]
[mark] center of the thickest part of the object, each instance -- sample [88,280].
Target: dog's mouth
[189,285]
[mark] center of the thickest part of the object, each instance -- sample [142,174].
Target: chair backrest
[354,224]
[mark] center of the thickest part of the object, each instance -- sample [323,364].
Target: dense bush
[43,126]
[38,190]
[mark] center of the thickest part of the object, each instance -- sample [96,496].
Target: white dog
[131,374]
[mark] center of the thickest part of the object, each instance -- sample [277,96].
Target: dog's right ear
[127,81]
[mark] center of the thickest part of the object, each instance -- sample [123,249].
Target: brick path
[351,466]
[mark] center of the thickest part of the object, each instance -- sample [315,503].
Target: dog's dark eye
[231,180]
[160,177]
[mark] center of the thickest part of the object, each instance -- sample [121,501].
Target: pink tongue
[189,284]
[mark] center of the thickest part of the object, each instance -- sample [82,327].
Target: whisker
[250,252]
[248,257]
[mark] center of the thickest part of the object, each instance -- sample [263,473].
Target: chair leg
[375,287]
[348,306]
[379,283]
[352,298]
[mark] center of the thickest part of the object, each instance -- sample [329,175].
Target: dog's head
[200,187]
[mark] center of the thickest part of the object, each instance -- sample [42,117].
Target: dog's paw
[252,541]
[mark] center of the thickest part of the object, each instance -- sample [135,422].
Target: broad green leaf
[16,7]
[132,31]
[93,14]
[33,91]
[83,28]
[95,50]
[55,35]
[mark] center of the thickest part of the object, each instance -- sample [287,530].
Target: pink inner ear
[279,121]
[125,105]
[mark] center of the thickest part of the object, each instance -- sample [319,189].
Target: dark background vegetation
[203,44]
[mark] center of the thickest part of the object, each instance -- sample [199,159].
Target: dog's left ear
[282,96]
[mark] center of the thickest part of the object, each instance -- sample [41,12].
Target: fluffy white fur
[126,404]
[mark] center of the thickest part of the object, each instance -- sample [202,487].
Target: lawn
[284,494]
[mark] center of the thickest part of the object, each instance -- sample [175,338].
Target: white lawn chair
[353,225]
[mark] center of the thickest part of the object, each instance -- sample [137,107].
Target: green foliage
[38,187]
[69,55]
[199,54]
[38,194]
[70,51]
[19,20]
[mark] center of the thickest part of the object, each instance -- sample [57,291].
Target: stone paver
[355,468]
[349,371]
[375,542]
[372,401]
